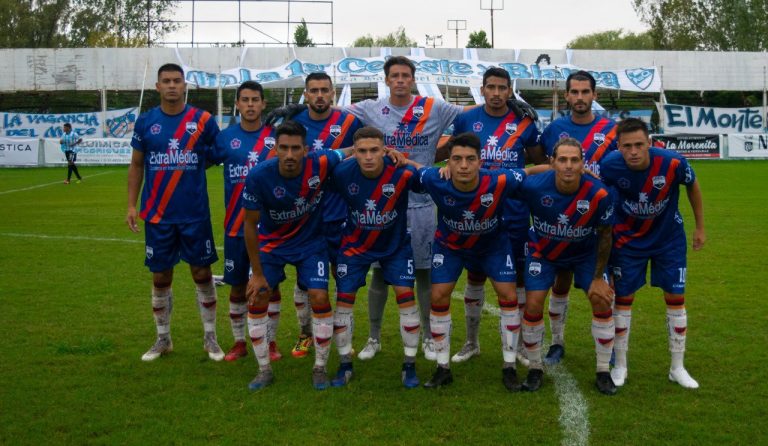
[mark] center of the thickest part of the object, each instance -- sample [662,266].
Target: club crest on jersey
[486,200]
[599,138]
[477,127]
[450,201]
[156,129]
[229,265]
[418,111]
[623,183]
[437,260]
[269,142]
[353,189]
[279,192]
[235,144]
[191,127]
[341,270]
[388,189]
[313,182]
[582,206]
[150,252]
[511,128]
[563,135]
[659,182]
[547,201]
[534,268]
[335,130]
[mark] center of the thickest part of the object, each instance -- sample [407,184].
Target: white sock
[206,299]
[237,312]
[474,298]
[603,332]
[677,324]
[303,310]
[162,304]
[440,322]
[558,313]
[273,312]
[533,338]
[509,328]
[257,329]
[409,323]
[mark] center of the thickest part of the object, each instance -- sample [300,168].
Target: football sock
[603,331]
[558,313]
[322,332]
[509,327]
[623,320]
[424,297]
[303,313]
[440,318]
[677,324]
[273,312]
[474,298]
[162,303]
[343,322]
[409,322]
[206,299]
[237,311]
[257,329]
[533,337]
[377,299]
[521,299]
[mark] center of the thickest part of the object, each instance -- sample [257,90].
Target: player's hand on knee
[257,290]
[600,293]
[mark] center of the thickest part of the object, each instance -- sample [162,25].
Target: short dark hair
[399,60]
[630,125]
[317,76]
[67,125]
[250,85]
[170,67]
[368,132]
[580,75]
[466,139]
[291,128]
[497,72]
[568,141]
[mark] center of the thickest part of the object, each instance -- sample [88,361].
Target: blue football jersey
[176,149]
[291,217]
[647,214]
[470,222]
[239,151]
[598,138]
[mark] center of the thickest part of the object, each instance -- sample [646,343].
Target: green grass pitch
[75,318]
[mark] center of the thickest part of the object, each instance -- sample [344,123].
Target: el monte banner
[710,120]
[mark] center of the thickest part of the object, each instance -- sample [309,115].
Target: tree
[391,40]
[301,35]
[715,25]
[616,39]
[33,23]
[121,23]
[478,39]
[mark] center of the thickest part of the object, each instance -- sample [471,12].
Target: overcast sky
[532,24]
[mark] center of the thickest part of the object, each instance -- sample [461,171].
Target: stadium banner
[456,73]
[708,120]
[691,146]
[747,146]
[117,124]
[94,151]
[19,151]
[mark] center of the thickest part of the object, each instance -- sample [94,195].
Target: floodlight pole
[492,5]
[457,25]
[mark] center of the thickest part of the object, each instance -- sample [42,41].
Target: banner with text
[117,124]
[458,73]
[708,120]
[747,146]
[96,151]
[691,146]
[19,151]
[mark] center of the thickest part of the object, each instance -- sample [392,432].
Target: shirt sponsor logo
[300,208]
[644,209]
[469,226]
[388,189]
[371,218]
[582,206]
[191,127]
[173,158]
[562,230]
[156,129]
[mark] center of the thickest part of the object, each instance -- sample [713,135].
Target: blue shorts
[332,232]
[237,265]
[398,270]
[166,243]
[311,271]
[519,241]
[447,264]
[540,273]
[668,269]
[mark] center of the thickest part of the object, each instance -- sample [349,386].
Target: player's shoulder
[665,153]
[539,181]
[595,184]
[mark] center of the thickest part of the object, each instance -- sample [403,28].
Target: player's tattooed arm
[697,205]
[135,177]
[258,289]
[599,289]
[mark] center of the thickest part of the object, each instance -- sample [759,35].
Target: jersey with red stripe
[504,140]
[565,225]
[414,129]
[470,222]
[647,213]
[176,149]
[333,133]
[377,219]
[291,217]
[598,138]
[240,151]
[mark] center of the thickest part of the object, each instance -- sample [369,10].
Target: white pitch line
[37,186]
[574,409]
[77,237]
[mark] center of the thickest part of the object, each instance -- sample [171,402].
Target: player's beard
[320,109]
